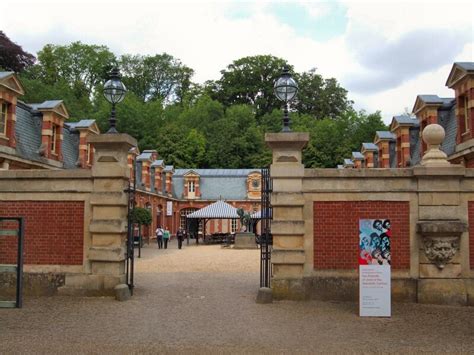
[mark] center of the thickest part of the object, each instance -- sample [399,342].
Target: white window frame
[191,186]
[54,132]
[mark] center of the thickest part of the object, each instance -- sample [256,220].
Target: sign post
[374,268]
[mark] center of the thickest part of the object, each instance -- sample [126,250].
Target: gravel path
[201,300]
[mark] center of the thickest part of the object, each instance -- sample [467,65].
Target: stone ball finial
[433,134]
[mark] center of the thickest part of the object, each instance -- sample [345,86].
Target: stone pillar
[288,254]
[442,226]
[108,225]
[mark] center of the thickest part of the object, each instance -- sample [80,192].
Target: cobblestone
[201,300]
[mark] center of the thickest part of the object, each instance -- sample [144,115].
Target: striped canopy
[217,210]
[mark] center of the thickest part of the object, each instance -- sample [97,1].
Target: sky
[383,52]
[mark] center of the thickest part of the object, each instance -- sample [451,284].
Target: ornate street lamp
[285,89]
[114,92]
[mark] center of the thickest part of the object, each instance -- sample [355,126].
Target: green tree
[141,216]
[158,77]
[249,81]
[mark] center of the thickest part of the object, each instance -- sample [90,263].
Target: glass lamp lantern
[114,92]
[285,89]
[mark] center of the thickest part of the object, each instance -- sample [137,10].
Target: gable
[12,83]
[457,74]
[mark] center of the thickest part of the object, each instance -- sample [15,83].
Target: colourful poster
[374,267]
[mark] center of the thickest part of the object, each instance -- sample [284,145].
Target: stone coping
[441,227]
[358,173]
[46,174]
[112,138]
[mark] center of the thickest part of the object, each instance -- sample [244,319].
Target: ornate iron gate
[266,239]
[130,252]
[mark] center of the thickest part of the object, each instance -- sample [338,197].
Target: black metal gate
[14,227]
[130,252]
[266,239]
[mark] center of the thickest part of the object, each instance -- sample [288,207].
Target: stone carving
[441,250]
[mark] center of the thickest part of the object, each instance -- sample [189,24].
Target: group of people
[163,236]
[375,247]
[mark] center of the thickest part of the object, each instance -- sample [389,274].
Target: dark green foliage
[220,124]
[141,216]
[12,56]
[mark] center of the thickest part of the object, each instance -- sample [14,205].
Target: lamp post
[114,92]
[285,89]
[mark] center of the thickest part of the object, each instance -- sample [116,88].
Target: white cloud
[206,38]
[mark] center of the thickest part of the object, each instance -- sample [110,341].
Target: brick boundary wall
[336,232]
[54,232]
[471,233]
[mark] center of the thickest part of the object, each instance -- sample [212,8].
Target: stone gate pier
[315,225]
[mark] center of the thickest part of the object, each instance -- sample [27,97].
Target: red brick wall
[471,233]
[336,232]
[470,163]
[54,232]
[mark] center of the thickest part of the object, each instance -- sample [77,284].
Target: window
[191,186]
[183,213]
[255,183]
[466,114]
[54,134]
[3,118]
[234,226]
[88,153]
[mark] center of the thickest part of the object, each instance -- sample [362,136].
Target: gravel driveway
[201,299]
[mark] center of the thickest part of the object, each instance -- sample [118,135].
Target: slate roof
[370,146]
[348,162]
[447,119]
[168,168]
[228,184]
[80,124]
[157,163]
[468,66]
[70,149]
[393,154]
[404,119]
[4,74]
[146,155]
[49,104]
[385,135]
[357,155]
[415,146]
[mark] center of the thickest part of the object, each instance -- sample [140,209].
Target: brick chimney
[382,140]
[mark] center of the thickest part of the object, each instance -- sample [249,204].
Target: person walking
[180,237]
[159,237]
[166,237]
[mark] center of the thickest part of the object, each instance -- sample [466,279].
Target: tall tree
[250,81]
[320,97]
[158,77]
[12,56]
[84,67]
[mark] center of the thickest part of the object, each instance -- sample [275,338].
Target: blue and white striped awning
[219,209]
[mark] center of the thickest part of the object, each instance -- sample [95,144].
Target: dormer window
[191,186]
[3,118]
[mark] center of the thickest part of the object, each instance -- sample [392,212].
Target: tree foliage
[12,56]
[220,124]
[141,216]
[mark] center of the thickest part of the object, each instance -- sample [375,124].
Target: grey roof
[80,124]
[70,149]
[339,166]
[393,154]
[370,146]
[217,172]
[468,66]
[404,119]
[357,155]
[49,104]
[435,99]
[144,156]
[168,168]
[28,133]
[415,146]
[4,74]
[385,135]
[447,119]
[218,209]
[348,162]
[157,163]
